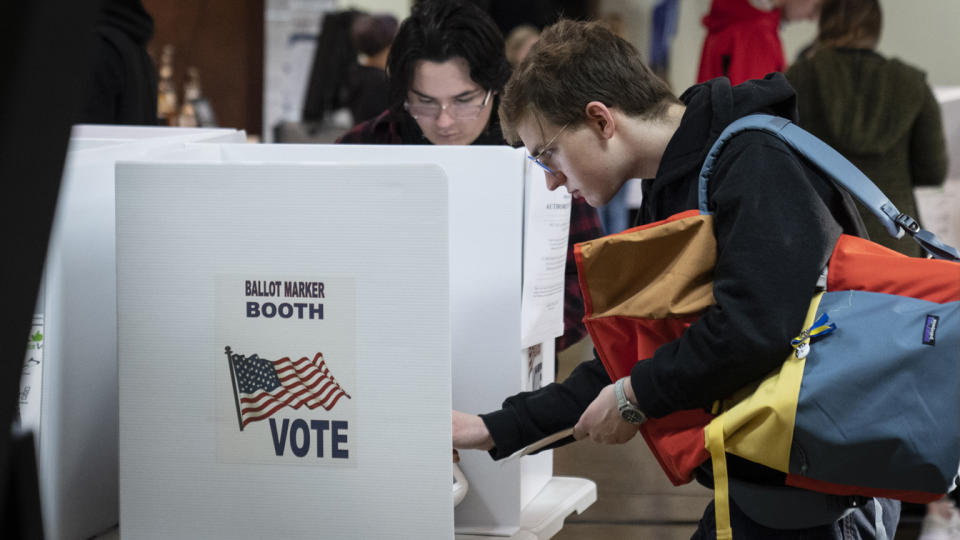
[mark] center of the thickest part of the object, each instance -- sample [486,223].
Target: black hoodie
[121,87]
[777,220]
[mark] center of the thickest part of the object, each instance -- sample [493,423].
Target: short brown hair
[573,64]
[849,23]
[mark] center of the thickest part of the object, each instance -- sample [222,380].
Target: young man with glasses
[446,71]
[593,116]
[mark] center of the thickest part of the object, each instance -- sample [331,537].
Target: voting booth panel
[100,132]
[487,220]
[68,393]
[488,200]
[284,359]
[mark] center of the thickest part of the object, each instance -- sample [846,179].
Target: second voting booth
[68,387]
[377,293]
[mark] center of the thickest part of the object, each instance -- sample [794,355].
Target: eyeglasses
[458,109]
[538,159]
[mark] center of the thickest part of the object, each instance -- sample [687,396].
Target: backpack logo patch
[930,330]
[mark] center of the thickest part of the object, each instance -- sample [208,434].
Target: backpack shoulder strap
[835,166]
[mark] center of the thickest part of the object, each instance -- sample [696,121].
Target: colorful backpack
[888,322]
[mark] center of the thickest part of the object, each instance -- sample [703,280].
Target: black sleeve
[530,416]
[775,232]
[103,85]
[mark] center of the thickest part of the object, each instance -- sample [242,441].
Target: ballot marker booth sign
[286,388]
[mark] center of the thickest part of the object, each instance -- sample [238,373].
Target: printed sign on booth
[285,369]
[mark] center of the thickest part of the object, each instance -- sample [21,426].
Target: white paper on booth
[546,230]
[31,378]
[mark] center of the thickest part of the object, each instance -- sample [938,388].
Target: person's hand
[469,432]
[602,423]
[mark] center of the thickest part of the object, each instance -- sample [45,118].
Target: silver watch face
[633,416]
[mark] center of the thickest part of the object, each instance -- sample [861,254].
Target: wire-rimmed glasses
[457,109]
[538,159]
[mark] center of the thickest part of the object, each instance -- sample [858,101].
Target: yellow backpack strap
[714,437]
[721,491]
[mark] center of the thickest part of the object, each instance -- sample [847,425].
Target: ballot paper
[542,443]
[546,232]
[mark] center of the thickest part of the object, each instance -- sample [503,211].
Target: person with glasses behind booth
[446,70]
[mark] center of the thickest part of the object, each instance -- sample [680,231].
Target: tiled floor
[634,498]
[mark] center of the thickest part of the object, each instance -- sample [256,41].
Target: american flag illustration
[262,387]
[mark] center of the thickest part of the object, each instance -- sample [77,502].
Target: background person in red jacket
[743,40]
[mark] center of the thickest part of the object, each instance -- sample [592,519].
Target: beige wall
[398,8]
[921,32]
[925,33]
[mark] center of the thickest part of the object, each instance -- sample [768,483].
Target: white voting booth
[68,391]
[420,252]
[197,245]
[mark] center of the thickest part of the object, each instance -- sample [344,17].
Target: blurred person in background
[367,77]
[121,87]
[880,113]
[519,41]
[446,70]
[743,39]
[332,61]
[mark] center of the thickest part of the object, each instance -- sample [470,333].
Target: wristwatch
[630,412]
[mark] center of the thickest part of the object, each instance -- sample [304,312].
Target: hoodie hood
[128,16]
[711,107]
[725,13]
[859,101]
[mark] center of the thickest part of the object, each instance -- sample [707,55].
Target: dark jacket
[367,92]
[777,220]
[880,114]
[121,87]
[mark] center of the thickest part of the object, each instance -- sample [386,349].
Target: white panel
[77,450]
[132,133]
[486,223]
[181,229]
[536,470]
